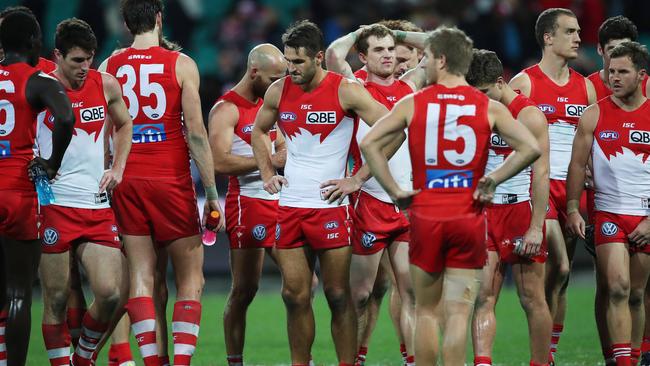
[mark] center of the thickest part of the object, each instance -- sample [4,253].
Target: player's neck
[14,58]
[555,67]
[315,81]
[508,95]
[146,40]
[632,101]
[385,81]
[69,85]
[450,80]
[245,89]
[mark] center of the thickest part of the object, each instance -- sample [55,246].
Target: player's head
[628,66]
[75,46]
[266,64]
[612,32]
[448,50]
[8,10]
[486,73]
[557,31]
[406,56]
[376,46]
[304,50]
[21,34]
[142,16]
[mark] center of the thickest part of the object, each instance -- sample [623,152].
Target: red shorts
[19,218]
[377,224]
[163,208]
[557,202]
[250,222]
[320,228]
[615,228]
[458,243]
[506,225]
[65,227]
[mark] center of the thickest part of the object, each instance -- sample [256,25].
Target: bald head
[265,65]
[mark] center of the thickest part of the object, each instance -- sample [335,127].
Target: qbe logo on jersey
[149,133]
[497,141]
[438,178]
[640,137]
[5,149]
[574,110]
[92,114]
[321,118]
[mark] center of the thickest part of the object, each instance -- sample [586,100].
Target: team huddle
[425,173]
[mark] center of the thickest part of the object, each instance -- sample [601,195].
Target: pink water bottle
[209,236]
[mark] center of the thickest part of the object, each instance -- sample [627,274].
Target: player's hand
[279,159]
[575,224]
[641,234]
[338,189]
[403,199]
[274,185]
[46,165]
[532,243]
[485,190]
[110,179]
[210,206]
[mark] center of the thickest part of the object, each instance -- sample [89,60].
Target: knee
[295,298]
[380,288]
[361,296]
[618,291]
[532,303]
[56,300]
[242,296]
[408,296]
[110,297]
[562,273]
[337,298]
[161,291]
[485,301]
[636,298]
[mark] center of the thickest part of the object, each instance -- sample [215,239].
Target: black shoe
[645,359]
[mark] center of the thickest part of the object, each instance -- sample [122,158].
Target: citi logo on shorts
[640,137]
[332,225]
[574,110]
[609,229]
[5,149]
[368,240]
[259,232]
[277,232]
[50,236]
[438,178]
[497,141]
[546,108]
[248,129]
[608,135]
[288,116]
[149,133]
[92,114]
[321,118]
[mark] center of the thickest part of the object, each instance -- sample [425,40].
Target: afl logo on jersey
[50,236]
[332,225]
[609,229]
[288,116]
[546,108]
[92,114]
[247,129]
[608,135]
[259,232]
[368,240]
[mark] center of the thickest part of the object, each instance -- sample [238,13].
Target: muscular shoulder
[531,116]
[112,88]
[274,92]
[185,68]
[226,111]
[521,82]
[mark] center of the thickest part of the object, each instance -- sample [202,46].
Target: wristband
[400,35]
[211,193]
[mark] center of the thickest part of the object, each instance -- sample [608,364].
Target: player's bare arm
[197,137]
[279,157]
[261,141]
[416,78]
[580,154]
[387,129]
[336,53]
[591,91]
[122,139]
[354,97]
[415,39]
[521,84]
[535,121]
[45,92]
[221,124]
[523,143]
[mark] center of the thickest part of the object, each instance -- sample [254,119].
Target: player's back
[18,129]
[152,94]
[448,142]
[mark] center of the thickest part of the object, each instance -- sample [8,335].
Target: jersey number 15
[452,131]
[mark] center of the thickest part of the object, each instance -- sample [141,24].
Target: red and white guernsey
[620,154]
[83,163]
[251,184]
[45,65]
[17,127]
[153,97]
[399,164]
[449,137]
[602,90]
[318,133]
[517,188]
[563,106]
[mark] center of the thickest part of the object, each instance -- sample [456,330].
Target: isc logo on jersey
[497,141]
[92,114]
[5,149]
[640,137]
[149,133]
[438,178]
[574,110]
[321,118]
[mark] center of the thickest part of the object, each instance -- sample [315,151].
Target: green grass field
[266,342]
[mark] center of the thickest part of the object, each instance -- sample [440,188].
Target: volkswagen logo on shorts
[332,225]
[277,231]
[368,240]
[259,232]
[609,229]
[50,236]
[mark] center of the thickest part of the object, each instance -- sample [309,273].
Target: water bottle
[42,185]
[209,237]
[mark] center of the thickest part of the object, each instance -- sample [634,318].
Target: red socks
[361,356]
[91,332]
[119,353]
[482,361]
[235,360]
[57,343]
[622,352]
[3,325]
[555,339]
[185,329]
[143,323]
[74,317]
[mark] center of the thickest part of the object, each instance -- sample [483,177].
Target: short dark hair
[140,15]
[455,45]
[484,69]
[547,22]
[72,33]
[10,9]
[20,32]
[376,30]
[305,34]
[637,53]
[400,24]
[618,27]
